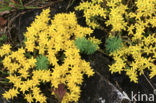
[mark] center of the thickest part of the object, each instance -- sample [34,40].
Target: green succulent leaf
[113,44]
[42,63]
[85,46]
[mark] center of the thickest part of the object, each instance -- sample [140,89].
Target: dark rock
[98,89]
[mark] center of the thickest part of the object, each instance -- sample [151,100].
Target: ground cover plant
[55,49]
[26,73]
[129,23]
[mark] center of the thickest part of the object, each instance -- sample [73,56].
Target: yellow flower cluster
[11,93]
[136,58]
[91,10]
[49,38]
[144,17]
[116,18]
[145,7]
[141,54]
[94,10]
[138,26]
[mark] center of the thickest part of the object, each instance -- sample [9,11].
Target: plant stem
[70,4]
[149,81]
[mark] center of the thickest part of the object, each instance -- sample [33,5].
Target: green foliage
[3,38]
[7,5]
[113,44]
[42,63]
[85,46]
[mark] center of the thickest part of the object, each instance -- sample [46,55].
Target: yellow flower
[132,74]
[118,65]
[32,62]
[130,29]
[153,71]
[15,80]
[43,75]
[10,94]
[29,98]
[6,62]
[5,49]
[30,46]
[24,73]
[38,96]
[95,41]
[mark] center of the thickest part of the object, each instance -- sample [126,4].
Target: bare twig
[70,4]
[149,81]
[51,3]
[11,22]
[26,6]
[31,1]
